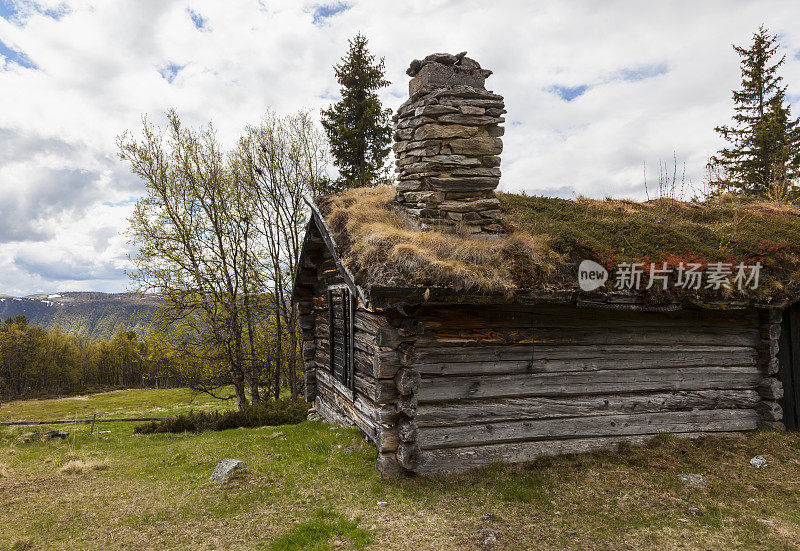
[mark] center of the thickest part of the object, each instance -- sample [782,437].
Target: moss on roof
[548,237]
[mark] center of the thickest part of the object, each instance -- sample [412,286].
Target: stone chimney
[447,145]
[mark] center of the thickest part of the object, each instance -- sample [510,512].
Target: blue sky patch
[8,10]
[15,56]
[198,20]
[633,74]
[170,71]
[324,11]
[568,93]
[18,11]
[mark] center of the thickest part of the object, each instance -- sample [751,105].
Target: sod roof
[547,238]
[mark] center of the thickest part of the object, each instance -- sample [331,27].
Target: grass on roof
[547,237]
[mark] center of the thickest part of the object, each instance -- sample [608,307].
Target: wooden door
[789,367]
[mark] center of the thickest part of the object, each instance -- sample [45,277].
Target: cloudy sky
[594,90]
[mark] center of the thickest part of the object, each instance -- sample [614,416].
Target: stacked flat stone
[447,145]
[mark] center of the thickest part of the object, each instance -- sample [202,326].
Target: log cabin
[457,326]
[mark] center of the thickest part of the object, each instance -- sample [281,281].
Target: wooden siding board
[509,409]
[714,420]
[515,382]
[443,389]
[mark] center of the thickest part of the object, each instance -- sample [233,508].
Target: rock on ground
[758,462]
[226,468]
[694,480]
[53,434]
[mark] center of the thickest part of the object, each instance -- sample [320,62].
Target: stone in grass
[226,468]
[55,434]
[758,462]
[29,437]
[694,480]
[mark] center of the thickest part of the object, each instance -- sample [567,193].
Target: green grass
[310,486]
[318,533]
[117,404]
[613,231]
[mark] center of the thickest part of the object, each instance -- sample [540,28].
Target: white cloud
[649,79]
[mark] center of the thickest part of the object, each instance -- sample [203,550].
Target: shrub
[285,411]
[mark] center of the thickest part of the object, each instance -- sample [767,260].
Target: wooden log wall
[514,382]
[370,405]
[770,387]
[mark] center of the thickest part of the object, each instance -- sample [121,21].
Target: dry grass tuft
[79,466]
[381,248]
[22,544]
[5,471]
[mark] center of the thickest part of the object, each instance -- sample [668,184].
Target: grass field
[313,487]
[110,405]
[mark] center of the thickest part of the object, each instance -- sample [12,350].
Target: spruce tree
[763,158]
[357,126]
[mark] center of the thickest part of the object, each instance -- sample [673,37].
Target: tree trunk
[237,379]
[279,358]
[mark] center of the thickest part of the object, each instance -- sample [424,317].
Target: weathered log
[385,364]
[410,327]
[407,354]
[508,409]
[771,315]
[770,331]
[408,455]
[407,430]
[308,350]
[388,466]
[380,391]
[717,420]
[407,405]
[446,460]
[768,365]
[541,359]
[461,352]
[387,439]
[596,382]
[620,335]
[769,349]
[378,328]
[770,388]
[347,412]
[379,363]
[310,392]
[498,317]
[769,410]
[328,412]
[379,414]
[407,381]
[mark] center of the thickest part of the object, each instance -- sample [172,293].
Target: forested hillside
[90,315]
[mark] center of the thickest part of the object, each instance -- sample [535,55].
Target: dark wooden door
[789,370]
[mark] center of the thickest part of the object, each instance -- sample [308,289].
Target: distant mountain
[91,315]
